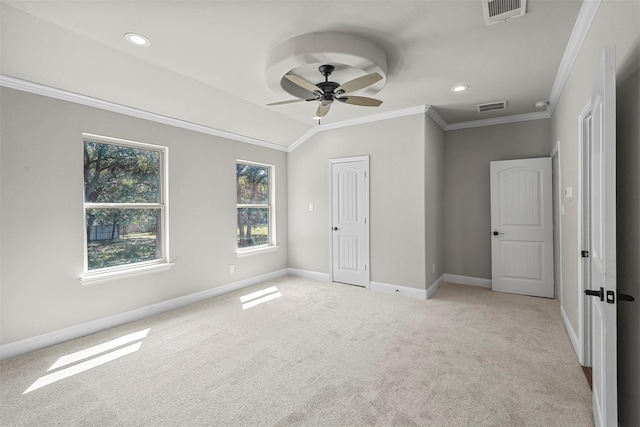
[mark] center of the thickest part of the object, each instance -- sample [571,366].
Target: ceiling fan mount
[326,70]
[326,92]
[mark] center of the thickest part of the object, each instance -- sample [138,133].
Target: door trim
[556,168]
[332,162]
[584,306]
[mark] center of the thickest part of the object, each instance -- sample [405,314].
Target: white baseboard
[572,334]
[401,290]
[434,286]
[56,337]
[374,286]
[323,277]
[466,280]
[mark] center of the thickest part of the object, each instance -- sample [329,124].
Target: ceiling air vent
[500,10]
[492,106]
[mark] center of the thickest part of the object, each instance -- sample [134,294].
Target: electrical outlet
[310,207]
[232,268]
[433,268]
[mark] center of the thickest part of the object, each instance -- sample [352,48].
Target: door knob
[625,297]
[335,229]
[599,293]
[495,233]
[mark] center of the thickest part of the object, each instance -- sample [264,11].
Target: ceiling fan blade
[360,100]
[291,101]
[358,83]
[304,84]
[322,110]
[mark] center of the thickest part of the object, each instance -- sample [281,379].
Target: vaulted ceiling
[207,60]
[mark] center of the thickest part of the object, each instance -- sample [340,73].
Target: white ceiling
[206,63]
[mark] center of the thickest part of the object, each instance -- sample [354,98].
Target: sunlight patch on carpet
[259,297]
[91,363]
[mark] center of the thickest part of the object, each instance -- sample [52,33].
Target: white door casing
[349,220]
[557,229]
[522,227]
[584,230]
[603,242]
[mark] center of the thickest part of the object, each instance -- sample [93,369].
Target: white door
[522,227]
[349,221]
[603,243]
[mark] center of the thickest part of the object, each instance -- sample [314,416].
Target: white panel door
[522,227]
[349,228]
[603,243]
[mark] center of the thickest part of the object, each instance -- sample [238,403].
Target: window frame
[271,187]
[94,276]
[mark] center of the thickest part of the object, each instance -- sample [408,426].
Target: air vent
[492,106]
[500,10]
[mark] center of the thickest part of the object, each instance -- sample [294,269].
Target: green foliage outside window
[120,235]
[253,204]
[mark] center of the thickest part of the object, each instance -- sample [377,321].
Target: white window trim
[256,250]
[272,246]
[139,270]
[92,277]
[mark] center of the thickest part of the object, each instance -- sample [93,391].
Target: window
[124,205]
[254,189]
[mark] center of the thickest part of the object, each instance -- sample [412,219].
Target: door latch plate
[611,297]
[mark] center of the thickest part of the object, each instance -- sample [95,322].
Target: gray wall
[434,201]
[467,203]
[397,150]
[42,216]
[628,240]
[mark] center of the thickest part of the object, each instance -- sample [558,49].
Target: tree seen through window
[123,204]
[253,204]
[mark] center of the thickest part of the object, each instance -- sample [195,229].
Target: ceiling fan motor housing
[326,70]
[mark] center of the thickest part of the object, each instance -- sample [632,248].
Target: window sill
[257,251]
[95,278]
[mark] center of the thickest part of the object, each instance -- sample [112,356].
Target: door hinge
[365,220]
[585,254]
[365,174]
[365,267]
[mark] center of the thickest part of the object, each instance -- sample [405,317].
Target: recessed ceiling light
[137,39]
[459,88]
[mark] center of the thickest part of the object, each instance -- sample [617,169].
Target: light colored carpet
[323,354]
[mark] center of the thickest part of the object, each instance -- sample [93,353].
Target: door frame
[365,159]
[584,181]
[557,220]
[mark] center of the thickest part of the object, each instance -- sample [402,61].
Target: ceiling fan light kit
[293,66]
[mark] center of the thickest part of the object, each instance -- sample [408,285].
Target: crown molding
[578,35]
[499,120]
[303,138]
[431,112]
[51,92]
[420,109]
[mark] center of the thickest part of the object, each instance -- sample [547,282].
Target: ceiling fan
[326,92]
